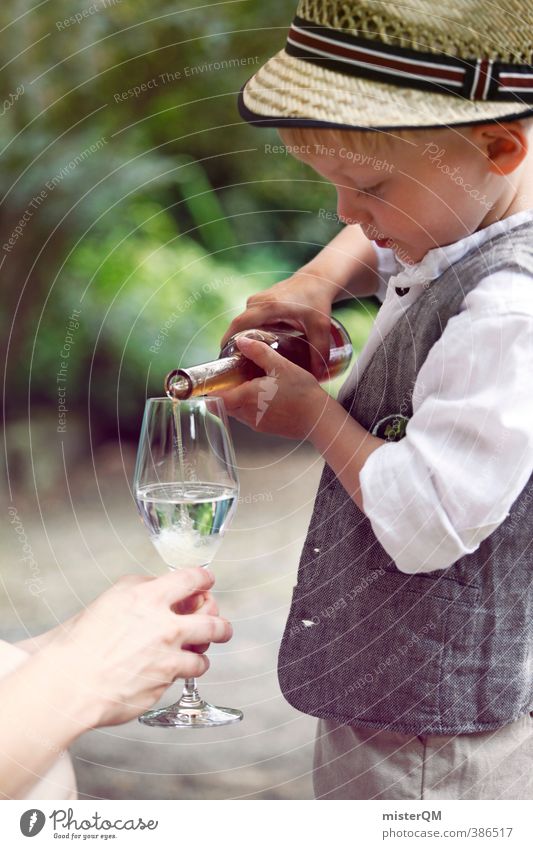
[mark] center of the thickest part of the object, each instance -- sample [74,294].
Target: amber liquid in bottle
[232,368]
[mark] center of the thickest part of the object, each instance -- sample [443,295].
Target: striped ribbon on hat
[473,79]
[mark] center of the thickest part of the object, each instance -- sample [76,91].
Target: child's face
[413,195]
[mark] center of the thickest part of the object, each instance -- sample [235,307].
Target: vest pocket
[371,654]
[432,585]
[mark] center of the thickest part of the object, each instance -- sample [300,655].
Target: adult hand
[132,642]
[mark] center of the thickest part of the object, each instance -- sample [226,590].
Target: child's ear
[504,145]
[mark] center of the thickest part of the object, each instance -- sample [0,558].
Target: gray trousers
[361,763]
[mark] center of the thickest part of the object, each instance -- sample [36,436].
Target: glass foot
[201,715]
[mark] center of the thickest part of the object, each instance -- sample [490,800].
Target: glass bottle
[233,368]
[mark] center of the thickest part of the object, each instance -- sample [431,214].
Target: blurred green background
[160,204]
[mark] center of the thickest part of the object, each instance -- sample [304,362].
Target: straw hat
[410,63]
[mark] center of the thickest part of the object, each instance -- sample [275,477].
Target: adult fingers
[201,649]
[176,586]
[189,605]
[127,581]
[198,629]
[191,665]
[209,606]
[185,664]
[197,603]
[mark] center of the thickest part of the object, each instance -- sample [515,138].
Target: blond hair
[369,142]
[375,141]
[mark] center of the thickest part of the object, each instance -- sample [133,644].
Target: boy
[410,631]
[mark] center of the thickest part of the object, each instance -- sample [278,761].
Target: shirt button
[316,550]
[401,292]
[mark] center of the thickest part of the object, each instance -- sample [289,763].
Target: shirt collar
[439,259]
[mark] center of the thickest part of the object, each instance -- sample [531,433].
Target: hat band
[473,79]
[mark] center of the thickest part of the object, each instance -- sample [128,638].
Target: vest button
[316,550]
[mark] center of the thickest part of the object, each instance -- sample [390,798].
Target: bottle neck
[207,378]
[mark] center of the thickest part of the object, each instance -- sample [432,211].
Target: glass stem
[190,696]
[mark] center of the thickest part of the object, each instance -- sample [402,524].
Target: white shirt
[437,494]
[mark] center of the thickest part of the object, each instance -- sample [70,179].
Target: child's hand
[288,401]
[303,300]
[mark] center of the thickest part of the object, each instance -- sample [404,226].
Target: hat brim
[292,92]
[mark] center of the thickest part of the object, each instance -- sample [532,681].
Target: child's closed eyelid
[371,190]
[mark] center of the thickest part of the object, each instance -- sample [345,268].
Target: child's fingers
[273,365]
[251,317]
[269,311]
[261,354]
[318,330]
[233,398]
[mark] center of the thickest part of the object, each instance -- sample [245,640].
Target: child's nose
[354,216]
[351,209]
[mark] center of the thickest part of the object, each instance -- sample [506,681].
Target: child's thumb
[260,353]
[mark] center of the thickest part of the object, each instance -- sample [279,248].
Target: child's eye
[372,190]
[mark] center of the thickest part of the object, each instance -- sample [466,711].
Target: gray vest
[444,652]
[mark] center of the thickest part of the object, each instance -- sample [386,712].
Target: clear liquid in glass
[186,520]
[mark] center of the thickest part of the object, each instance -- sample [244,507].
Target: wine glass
[186,489]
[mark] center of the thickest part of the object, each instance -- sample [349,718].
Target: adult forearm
[31,645]
[40,716]
[347,265]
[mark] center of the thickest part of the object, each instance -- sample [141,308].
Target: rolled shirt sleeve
[467,454]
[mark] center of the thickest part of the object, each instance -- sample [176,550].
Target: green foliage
[149,299]
[158,204]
